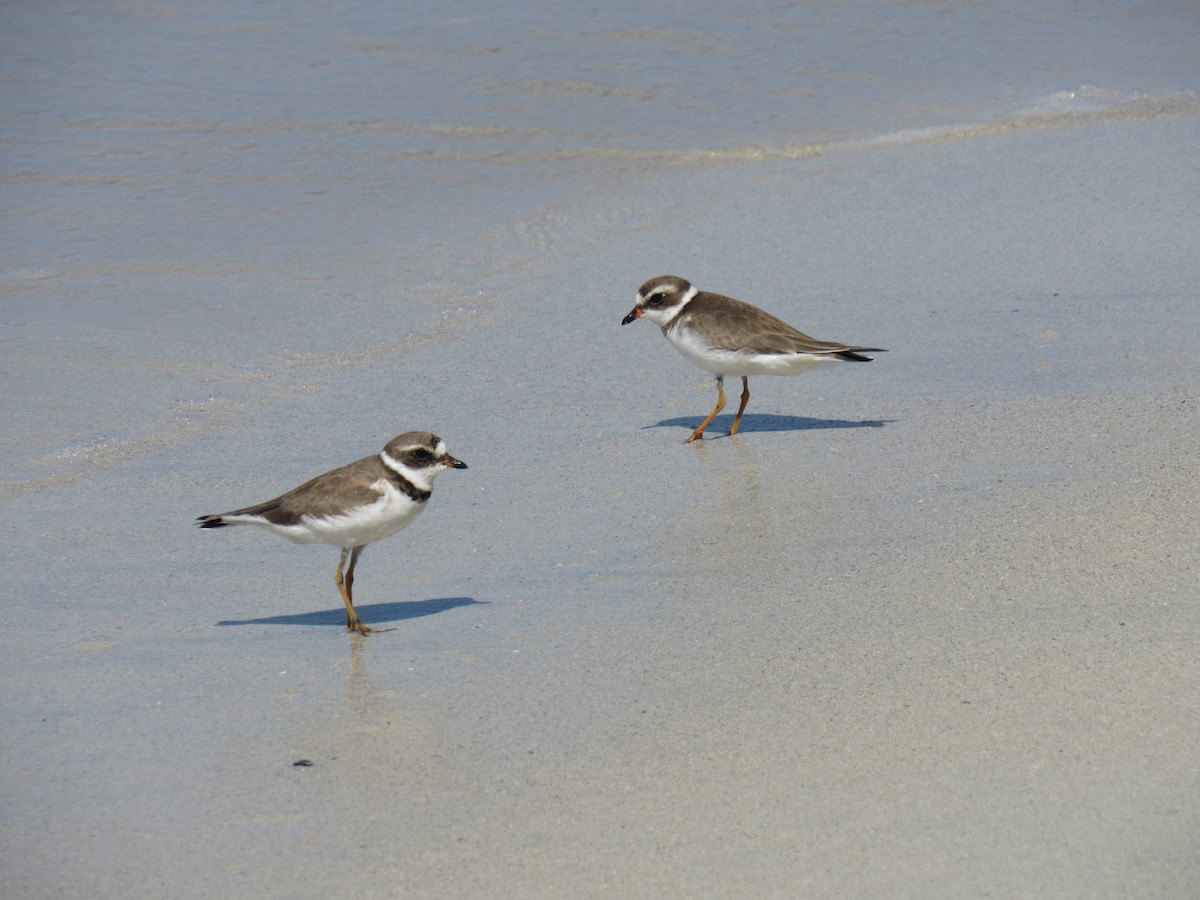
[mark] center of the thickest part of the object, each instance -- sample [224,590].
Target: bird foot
[360,628]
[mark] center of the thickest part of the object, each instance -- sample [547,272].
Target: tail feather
[269,511]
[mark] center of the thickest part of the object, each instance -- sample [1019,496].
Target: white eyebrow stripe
[394,464]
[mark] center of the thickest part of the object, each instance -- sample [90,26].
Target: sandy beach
[923,628]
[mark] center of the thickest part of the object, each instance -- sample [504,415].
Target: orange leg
[698,434]
[737,420]
[345,587]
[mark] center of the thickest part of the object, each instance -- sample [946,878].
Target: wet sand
[924,628]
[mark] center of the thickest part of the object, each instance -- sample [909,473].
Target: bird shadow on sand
[370,613]
[763,422]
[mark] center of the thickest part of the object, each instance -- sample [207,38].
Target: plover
[728,337]
[353,506]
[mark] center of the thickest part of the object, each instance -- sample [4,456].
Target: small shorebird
[353,506]
[728,337]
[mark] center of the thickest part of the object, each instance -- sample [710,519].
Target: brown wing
[325,495]
[734,325]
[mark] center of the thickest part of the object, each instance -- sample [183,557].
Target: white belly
[362,525]
[366,524]
[742,362]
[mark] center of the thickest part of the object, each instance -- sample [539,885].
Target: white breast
[390,513]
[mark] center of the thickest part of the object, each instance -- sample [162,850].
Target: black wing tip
[856,355]
[211,522]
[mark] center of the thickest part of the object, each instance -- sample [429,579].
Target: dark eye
[421,454]
[657,299]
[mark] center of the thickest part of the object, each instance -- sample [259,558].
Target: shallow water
[204,203]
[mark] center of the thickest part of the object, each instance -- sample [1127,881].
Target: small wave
[95,448]
[29,274]
[1090,99]
[1086,106]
